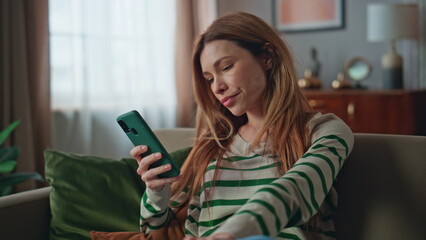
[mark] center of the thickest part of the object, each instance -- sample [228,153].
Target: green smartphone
[139,133]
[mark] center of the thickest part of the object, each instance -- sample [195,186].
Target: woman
[263,163]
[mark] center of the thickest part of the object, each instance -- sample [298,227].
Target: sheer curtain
[109,57]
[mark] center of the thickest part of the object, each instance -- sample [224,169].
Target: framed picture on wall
[308,15]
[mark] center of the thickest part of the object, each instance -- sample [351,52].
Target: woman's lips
[228,101]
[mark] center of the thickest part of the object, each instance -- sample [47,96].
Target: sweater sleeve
[295,197]
[158,209]
[191,224]
[155,211]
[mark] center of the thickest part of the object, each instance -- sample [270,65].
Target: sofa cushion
[94,194]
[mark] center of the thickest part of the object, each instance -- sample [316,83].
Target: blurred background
[70,67]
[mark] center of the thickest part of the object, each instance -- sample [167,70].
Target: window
[108,57]
[112,53]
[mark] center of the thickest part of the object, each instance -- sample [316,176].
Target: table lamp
[389,22]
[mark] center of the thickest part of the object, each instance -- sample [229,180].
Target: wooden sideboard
[374,111]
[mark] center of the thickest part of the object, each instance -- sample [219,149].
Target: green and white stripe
[250,198]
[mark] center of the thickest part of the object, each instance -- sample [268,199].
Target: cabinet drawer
[330,104]
[379,111]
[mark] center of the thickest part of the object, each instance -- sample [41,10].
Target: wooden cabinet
[374,111]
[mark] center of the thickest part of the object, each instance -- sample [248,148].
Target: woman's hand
[149,176]
[218,236]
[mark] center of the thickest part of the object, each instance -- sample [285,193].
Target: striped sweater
[250,198]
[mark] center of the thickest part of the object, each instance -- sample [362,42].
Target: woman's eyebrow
[217,62]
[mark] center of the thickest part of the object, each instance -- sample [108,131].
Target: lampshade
[390,21]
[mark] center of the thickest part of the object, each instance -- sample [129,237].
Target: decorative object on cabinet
[374,111]
[308,15]
[309,81]
[341,82]
[389,22]
[314,64]
[358,69]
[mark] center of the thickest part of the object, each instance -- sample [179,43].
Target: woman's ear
[268,55]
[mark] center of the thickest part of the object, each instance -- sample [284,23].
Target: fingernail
[167,166]
[143,148]
[158,155]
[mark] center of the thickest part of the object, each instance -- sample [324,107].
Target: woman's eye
[210,80]
[227,67]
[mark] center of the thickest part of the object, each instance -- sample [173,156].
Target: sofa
[381,187]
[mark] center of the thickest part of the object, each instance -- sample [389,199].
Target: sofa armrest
[25,215]
[176,138]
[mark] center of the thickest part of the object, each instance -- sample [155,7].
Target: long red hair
[286,109]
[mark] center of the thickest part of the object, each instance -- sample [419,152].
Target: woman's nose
[218,87]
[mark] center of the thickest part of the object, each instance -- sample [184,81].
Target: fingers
[158,184]
[149,175]
[145,162]
[137,152]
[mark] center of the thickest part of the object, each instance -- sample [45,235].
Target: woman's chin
[237,112]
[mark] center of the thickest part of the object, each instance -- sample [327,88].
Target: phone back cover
[144,136]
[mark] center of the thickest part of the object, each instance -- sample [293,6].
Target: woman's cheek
[236,78]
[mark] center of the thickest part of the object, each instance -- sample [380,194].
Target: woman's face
[236,77]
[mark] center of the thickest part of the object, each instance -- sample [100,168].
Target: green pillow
[94,194]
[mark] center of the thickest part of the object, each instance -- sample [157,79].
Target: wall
[334,47]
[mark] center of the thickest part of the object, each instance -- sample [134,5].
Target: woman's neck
[250,130]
